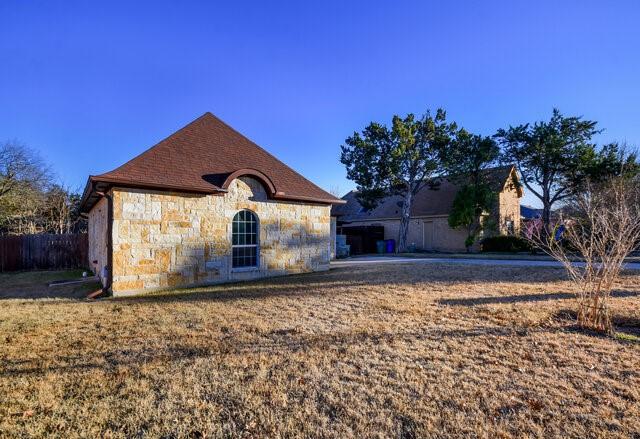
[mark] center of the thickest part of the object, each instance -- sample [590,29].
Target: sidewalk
[363,260]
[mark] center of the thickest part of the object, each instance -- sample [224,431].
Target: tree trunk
[469,237]
[546,215]
[546,209]
[404,222]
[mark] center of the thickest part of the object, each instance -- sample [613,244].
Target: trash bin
[380,245]
[391,245]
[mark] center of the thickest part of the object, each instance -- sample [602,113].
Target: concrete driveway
[362,260]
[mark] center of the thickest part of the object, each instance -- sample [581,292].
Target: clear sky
[91,84]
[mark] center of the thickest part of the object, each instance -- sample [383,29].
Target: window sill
[244,269]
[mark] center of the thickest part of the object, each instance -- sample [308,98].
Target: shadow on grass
[242,291]
[337,280]
[282,342]
[43,291]
[517,298]
[277,342]
[33,285]
[627,329]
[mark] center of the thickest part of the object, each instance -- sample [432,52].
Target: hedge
[505,243]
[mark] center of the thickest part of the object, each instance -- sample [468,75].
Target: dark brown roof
[204,157]
[427,202]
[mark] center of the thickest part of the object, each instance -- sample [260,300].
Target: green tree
[399,160]
[466,161]
[551,156]
[611,161]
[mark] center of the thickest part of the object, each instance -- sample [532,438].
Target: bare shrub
[601,226]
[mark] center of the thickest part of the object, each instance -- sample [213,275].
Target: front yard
[374,351]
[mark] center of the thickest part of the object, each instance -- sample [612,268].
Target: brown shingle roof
[204,157]
[427,202]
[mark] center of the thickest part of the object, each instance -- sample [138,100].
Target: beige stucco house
[429,228]
[205,205]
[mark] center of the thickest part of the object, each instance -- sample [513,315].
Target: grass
[627,337]
[373,351]
[35,285]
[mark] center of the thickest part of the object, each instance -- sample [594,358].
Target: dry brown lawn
[376,351]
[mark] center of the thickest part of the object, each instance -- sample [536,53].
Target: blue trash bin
[391,245]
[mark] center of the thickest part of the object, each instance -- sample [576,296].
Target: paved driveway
[504,262]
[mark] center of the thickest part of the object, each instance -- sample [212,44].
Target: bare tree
[602,227]
[21,210]
[57,215]
[336,191]
[21,165]
[29,200]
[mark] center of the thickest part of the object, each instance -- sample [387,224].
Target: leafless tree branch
[602,228]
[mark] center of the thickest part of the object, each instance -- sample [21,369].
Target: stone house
[429,228]
[205,205]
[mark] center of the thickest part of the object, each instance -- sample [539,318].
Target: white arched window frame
[245,240]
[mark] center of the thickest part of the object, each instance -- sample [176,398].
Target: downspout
[109,267]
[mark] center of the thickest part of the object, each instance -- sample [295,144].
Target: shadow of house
[40,289]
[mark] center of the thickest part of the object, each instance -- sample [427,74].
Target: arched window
[244,240]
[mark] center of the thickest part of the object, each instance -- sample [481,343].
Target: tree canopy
[398,160]
[551,156]
[611,161]
[466,161]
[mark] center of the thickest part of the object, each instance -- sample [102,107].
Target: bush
[505,243]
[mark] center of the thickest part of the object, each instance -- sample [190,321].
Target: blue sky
[91,84]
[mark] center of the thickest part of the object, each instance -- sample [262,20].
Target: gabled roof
[204,157]
[427,202]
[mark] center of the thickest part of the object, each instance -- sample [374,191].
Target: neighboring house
[429,228]
[205,205]
[528,213]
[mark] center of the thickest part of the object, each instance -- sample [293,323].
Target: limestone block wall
[97,236]
[509,208]
[163,239]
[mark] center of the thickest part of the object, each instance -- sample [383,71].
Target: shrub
[505,243]
[603,229]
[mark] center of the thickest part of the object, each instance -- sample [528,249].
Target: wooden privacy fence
[43,251]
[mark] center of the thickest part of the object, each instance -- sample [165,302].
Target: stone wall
[509,208]
[97,234]
[163,239]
